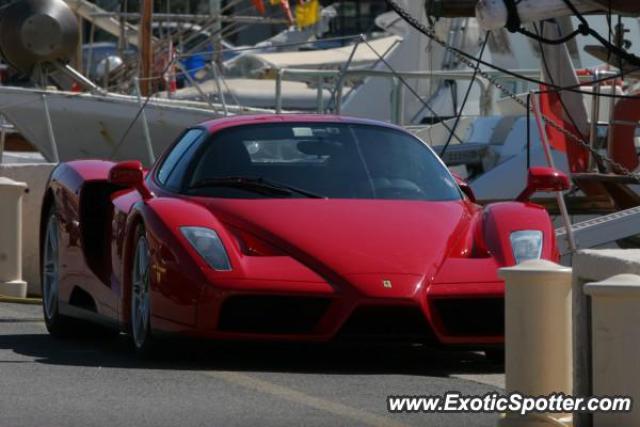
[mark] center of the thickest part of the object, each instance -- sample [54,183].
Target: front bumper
[467,313]
[460,314]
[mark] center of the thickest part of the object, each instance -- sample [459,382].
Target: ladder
[601,230]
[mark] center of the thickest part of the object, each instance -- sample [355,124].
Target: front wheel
[57,324]
[141,295]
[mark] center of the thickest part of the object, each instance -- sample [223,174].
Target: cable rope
[412,90]
[465,58]
[470,60]
[466,95]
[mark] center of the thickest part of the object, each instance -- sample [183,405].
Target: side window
[169,172]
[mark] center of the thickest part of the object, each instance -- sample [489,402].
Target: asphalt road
[46,382]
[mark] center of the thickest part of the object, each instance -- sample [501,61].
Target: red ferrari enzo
[296,227]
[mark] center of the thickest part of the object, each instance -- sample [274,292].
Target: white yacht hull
[93,126]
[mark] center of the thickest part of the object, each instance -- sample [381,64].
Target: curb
[15,300]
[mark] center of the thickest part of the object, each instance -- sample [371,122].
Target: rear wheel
[57,324]
[141,295]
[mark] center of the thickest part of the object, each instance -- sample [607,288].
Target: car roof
[242,120]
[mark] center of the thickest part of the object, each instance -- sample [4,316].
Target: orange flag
[259,5]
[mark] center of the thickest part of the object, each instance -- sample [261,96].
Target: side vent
[96,214]
[81,299]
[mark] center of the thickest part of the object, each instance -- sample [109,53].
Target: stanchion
[11,283]
[537,336]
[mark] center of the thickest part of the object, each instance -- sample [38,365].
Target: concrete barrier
[537,336]
[615,343]
[36,176]
[540,308]
[11,283]
[593,266]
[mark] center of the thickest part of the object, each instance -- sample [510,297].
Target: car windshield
[330,160]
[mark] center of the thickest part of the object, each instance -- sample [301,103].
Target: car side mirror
[544,179]
[130,174]
[465,187]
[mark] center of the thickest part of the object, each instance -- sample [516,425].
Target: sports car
[288,228]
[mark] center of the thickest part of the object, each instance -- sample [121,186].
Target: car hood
[352,237]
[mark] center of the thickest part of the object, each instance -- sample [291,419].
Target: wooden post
[146,50]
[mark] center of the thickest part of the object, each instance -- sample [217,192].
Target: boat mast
[146,51]
[214,10]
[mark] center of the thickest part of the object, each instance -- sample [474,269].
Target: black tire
[142,339]
[59,326]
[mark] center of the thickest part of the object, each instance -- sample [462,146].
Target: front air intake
[272,314]
[386,324]
[471,317]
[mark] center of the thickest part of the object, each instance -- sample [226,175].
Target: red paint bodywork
[339,250]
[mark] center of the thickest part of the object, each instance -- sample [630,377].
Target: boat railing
[337,78]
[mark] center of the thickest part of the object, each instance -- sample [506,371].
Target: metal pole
[612,119]
[190,17]
[342,75]
[394,97]
[303,73]
[74,74]
[3,136]
[279,91]
[543,134]
[52,137]
[595,119]
[216,29]
[398,102]
[145,124]
[216,73]
[547,152]
[320,94]
[339,90]
[195,84]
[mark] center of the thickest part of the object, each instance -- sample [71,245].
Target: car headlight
[209,246]
[526,245]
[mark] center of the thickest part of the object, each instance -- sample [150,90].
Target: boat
[102,126]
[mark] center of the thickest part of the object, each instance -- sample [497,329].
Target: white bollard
[615,341]
[538,341]
[11,283]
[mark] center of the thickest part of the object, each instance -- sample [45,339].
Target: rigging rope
[466,96]
[470,60]
[467,59]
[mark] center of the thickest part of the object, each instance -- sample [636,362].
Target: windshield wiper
[257,184]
